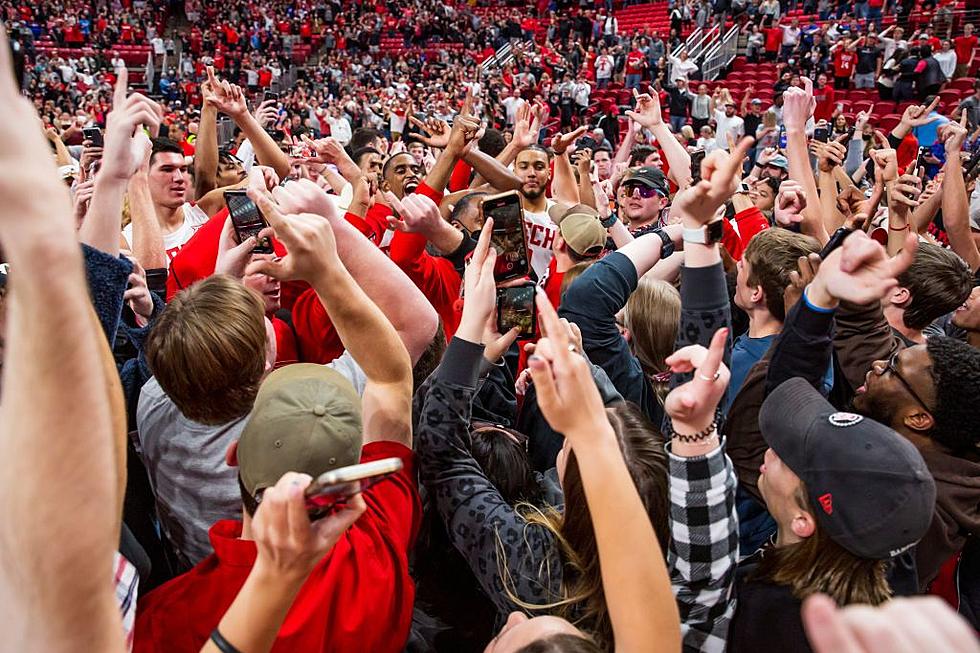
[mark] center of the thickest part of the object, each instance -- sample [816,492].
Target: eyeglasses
[645,191]
[892,366]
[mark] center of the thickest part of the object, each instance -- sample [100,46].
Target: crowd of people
[539,344]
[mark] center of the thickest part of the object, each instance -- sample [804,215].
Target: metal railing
[720,54]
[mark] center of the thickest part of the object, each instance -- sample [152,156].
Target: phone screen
[697,156]
[508,236]
[782,137]
[93,134]
[247,219]
[515,308]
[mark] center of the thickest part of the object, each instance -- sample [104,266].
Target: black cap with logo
[869,487]
[649,176]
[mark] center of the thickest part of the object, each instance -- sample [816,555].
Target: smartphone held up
[247,220]
[509,237]
[339,485]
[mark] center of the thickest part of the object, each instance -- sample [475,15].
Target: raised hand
[647,113]
[886,164]
[415,213]
[905,191]
[561,142]
[807,267]
[691,406]
[326,150]
[861,119]
[288,544]
[226,98]
[126,145]
[859,271]
[790,203]
[266,113]
[566,391]
[918,115]
[526,126]
[479,288]
[798,105]
[720,175]
[307,237]
[137,293]
[233,257]
[435,132]
[903,625]
[304,196]
[831,154]
[953,135]
[81,196]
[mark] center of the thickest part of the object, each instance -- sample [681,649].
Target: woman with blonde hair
[649,323]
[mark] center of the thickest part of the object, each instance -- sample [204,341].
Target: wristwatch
[668,243]
[708,234]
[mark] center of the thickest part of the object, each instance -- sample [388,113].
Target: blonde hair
[652,315]
[818,564]
[581,598]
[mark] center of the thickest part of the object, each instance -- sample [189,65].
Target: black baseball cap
[868,486]
[649,176]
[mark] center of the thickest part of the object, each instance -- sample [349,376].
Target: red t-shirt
[824,108]
[634,63]
[358,598]
[844,62]
[774,38]
[964,48]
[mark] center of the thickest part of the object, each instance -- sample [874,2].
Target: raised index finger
[739,152]
[119,92]
[712,360]
[9,84]
[807,85]
[932,105]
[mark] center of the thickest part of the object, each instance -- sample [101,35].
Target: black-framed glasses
[892,366]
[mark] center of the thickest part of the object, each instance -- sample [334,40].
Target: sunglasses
[645,191]
[892,366]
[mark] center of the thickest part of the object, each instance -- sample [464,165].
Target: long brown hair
[818,564]
[652,314]
[582,599]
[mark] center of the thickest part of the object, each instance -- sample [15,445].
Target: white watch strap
[699,235]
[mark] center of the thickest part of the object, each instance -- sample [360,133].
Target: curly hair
[956,376]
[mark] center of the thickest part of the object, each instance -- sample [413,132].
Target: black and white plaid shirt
[704,547]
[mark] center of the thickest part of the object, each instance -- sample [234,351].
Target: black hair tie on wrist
[223,644]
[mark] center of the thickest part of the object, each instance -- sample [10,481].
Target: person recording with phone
[310,419]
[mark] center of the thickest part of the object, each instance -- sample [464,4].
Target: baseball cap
[580,228]
[869,488]
[779,161]
[756,100]
[306,418]
[649,176]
